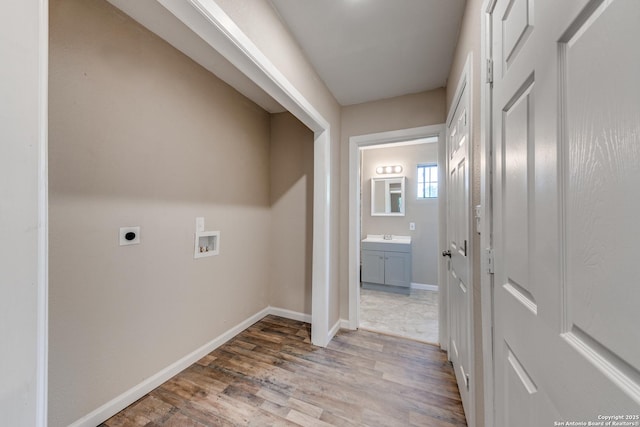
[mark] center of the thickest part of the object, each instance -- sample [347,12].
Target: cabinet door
[397,269]
[373,267]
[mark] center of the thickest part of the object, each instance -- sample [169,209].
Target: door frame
[29,388]
[465,83]
[486,203]
[355,143]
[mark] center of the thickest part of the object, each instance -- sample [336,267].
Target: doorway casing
[355,143]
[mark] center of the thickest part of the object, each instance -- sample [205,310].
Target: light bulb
[397,169]
[379,169]
[388,169]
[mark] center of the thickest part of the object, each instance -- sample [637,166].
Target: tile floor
[413,316]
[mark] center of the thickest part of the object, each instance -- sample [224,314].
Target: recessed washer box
[207,244]
[129,236]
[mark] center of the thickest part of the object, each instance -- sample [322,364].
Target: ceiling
[363,50]
[366,50]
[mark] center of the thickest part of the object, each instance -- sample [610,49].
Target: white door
[458,284]
[566,143]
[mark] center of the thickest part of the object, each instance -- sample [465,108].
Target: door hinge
[467,381]
[489,70]
[490,261]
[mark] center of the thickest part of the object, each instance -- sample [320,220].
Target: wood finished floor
[270,375]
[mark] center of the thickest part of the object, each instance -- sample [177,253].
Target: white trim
[334,329]
[354,233]
[428,140]
[321,228]
[486,232]
[245,49]
[355,143]
[465,83]
[443,295]
[120,402]
[209,21]
[399,135]
[424,287]
[42,313]
[345,324]
[290,314]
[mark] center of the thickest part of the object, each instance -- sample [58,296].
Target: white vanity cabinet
[386,265]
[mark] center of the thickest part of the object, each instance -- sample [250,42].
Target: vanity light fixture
[382,170]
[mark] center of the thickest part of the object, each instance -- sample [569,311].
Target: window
[427,181]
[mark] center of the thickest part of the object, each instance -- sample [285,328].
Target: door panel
[517,158]
[520,391]
[458,238]
[566,144]
[517,24]
[601,180]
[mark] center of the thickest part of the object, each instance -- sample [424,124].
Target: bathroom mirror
[387,196]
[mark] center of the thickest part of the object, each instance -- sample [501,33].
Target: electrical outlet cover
[129,236]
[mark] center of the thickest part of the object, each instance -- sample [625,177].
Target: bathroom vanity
[386,263]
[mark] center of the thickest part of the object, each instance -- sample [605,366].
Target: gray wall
[291,172]
[424,212]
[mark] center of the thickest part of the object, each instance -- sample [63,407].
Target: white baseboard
[424,287]
[290,314]
[120,402]
[345,324]
[334,330]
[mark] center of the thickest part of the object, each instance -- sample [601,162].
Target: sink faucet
[387,237]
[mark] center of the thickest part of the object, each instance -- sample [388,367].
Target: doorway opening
[396,231]
[399,228]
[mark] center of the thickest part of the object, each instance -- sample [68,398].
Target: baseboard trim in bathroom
[424,287]
[120,402]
